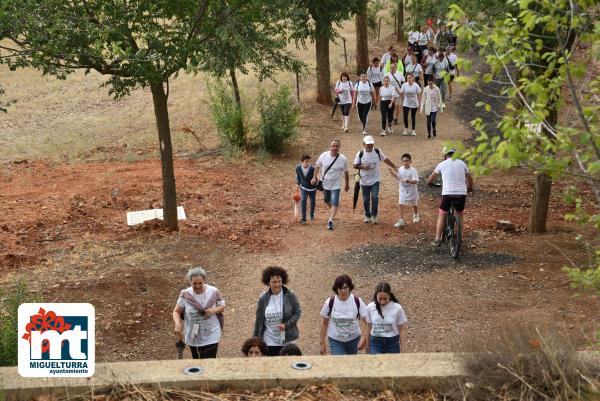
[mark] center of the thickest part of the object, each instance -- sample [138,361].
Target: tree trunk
[323,73]
[362,39]
[539,206]
[236,88]
[161,113]
[400,22]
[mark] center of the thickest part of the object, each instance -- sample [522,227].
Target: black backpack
[362,152]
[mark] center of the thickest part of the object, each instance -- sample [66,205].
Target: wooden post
[379,31]
[298,87]
[345,54]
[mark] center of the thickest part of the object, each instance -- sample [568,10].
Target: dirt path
[63,227]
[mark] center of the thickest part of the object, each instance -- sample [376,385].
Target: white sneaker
[374,219]
[367,219]
[364,133]
[345,129]
[390,130]
[382,133]
[413,132]
[343,126]
[399,224]
[416,218]
[406,132]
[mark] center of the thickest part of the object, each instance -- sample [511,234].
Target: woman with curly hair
[254,347]
[387,322]
[278,312]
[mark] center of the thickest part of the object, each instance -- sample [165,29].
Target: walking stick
[180,345]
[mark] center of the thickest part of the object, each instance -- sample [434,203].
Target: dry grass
[77,120]
[527,363]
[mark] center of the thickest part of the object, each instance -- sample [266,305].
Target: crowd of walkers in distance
[414,80]
[348,324]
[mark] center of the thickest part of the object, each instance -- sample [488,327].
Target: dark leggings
[346,108]
[363,112]
[431,122]
[413,113]
[387,113]
[205,351]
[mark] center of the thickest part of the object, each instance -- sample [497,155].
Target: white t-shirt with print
[375,74]
[410,95]
[388,93]
[423,39]
[343,322]
[409,193]
[386,326]
[333,178]
[429,62]
[363,92]
[396,79]
[440,67]
[372,175]
[452,60]
[415,70]
[273,318]
[345,93]
[407,59]
[198,330]
[453,173]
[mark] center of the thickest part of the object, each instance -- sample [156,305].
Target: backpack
[362,152]
[358,81]
[356,301]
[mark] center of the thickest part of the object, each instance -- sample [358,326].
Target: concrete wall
[369,372]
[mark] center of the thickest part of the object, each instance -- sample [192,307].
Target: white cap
[368,140]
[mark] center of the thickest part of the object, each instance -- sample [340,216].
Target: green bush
[227,116]
[279,115]
[9,305]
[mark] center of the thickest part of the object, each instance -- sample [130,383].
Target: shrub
[279,116]
[527,363]
[9,305]
[227,116]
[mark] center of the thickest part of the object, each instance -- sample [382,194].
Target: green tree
[136,43]
[531,52]
[317,20]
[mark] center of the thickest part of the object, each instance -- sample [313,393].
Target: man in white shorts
[457,181]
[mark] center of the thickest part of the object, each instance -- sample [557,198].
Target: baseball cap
[448,149]
[368,140]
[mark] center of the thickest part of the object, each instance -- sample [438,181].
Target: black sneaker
[330,225]
[434,134]
[428,136]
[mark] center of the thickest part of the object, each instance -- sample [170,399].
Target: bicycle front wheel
[456,235]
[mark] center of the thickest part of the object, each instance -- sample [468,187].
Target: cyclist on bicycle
[457,181]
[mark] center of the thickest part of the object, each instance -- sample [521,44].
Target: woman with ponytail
[387,322]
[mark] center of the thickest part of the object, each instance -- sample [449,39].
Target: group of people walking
[347,323]
[415,82]
[331,169]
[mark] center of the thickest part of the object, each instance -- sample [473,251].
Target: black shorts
[451,78]
[459,201]
[377,84]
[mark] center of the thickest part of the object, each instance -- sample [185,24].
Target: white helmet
[448,149]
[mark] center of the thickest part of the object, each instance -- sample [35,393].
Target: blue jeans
[384,345]
[331,196]
[307,194]
[343,347]
[368,192]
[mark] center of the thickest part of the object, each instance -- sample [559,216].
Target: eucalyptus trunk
[362,39]
[323,73]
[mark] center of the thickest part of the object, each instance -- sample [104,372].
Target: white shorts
[409,202]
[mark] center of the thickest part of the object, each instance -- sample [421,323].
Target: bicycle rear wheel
[456,235]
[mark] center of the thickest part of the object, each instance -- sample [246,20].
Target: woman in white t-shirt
[411,98]
[375,75]
[203,306]
[363,98]
[428,63]
[387,322]
[343,91]
[452,59]
[441,67]
[415,69]
[408,178]
[388,96]
[432,103]
[278,312]
[341,314]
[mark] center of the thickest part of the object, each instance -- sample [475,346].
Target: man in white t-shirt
[453,67]
[396,79]
[456,182]
[329,167]
[368,162]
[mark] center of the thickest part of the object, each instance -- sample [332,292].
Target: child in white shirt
[409,193]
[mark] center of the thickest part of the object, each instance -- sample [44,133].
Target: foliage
[310,18]
[531,53]
[227,116]
[373,9]
[279,115]
[478,10]
[9,305]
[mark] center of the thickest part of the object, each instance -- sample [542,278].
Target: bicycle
[452,231]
